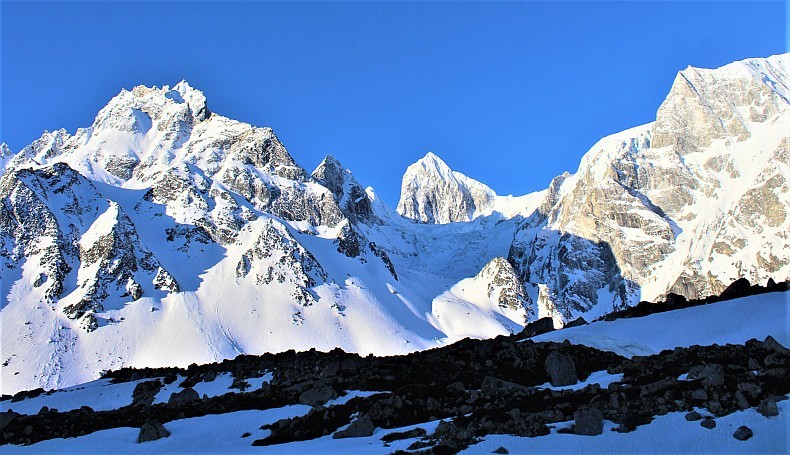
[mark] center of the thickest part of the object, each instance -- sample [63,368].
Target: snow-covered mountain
[165,234]
[686,204]
[431,192]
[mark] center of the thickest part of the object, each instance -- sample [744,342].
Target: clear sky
[509,93]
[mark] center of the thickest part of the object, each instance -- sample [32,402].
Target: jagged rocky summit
[166,234]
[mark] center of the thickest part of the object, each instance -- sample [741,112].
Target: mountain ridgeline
[166,234]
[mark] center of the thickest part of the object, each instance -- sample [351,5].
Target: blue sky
[509,93]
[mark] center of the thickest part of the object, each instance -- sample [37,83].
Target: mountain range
[165,234]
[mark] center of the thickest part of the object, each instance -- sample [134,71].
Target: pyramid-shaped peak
[431,164]
[331,161]
[433,159]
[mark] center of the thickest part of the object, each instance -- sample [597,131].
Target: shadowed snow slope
[733,321]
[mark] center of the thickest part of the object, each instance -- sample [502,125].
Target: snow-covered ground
[670,433]
[733,321]
[222,433]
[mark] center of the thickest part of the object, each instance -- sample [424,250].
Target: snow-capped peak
[431,192]
[434,165]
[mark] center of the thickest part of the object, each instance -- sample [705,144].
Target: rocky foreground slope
[165,224]
[436,401]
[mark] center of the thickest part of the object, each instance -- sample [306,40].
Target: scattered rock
[768,408]
[708,423]
[399,435]
[588,421]
[497,387]
[752,390]
[715,407]
[575,323]
[501,450]
[151,431]
[319,394]
[6,418]
[743,433]
[693,416]
[699,394]
[187,395]
[741,400]
[775,346]
[360,427]
[561,369]
[772,360]
[712,375]
[456,387]
[145,392]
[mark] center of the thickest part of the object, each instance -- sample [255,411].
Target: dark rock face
[743,433]
[588,421]
[151,431]
[561,369]
[360,427]
[348,193]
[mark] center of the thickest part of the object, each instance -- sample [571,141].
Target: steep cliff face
[351,198]
[686,204]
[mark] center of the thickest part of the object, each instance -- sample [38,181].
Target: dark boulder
[699,394]
[145,392]
[575,323]
[743,433]
[708,423]
[712,375]
[542,325]
[6,418]
[151,431]
[498,388]
[768,407]
[588,421]
[360,427]
[693,415]
[318,394]
[409,434]
[187,395]
[561,369]
[775,346]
